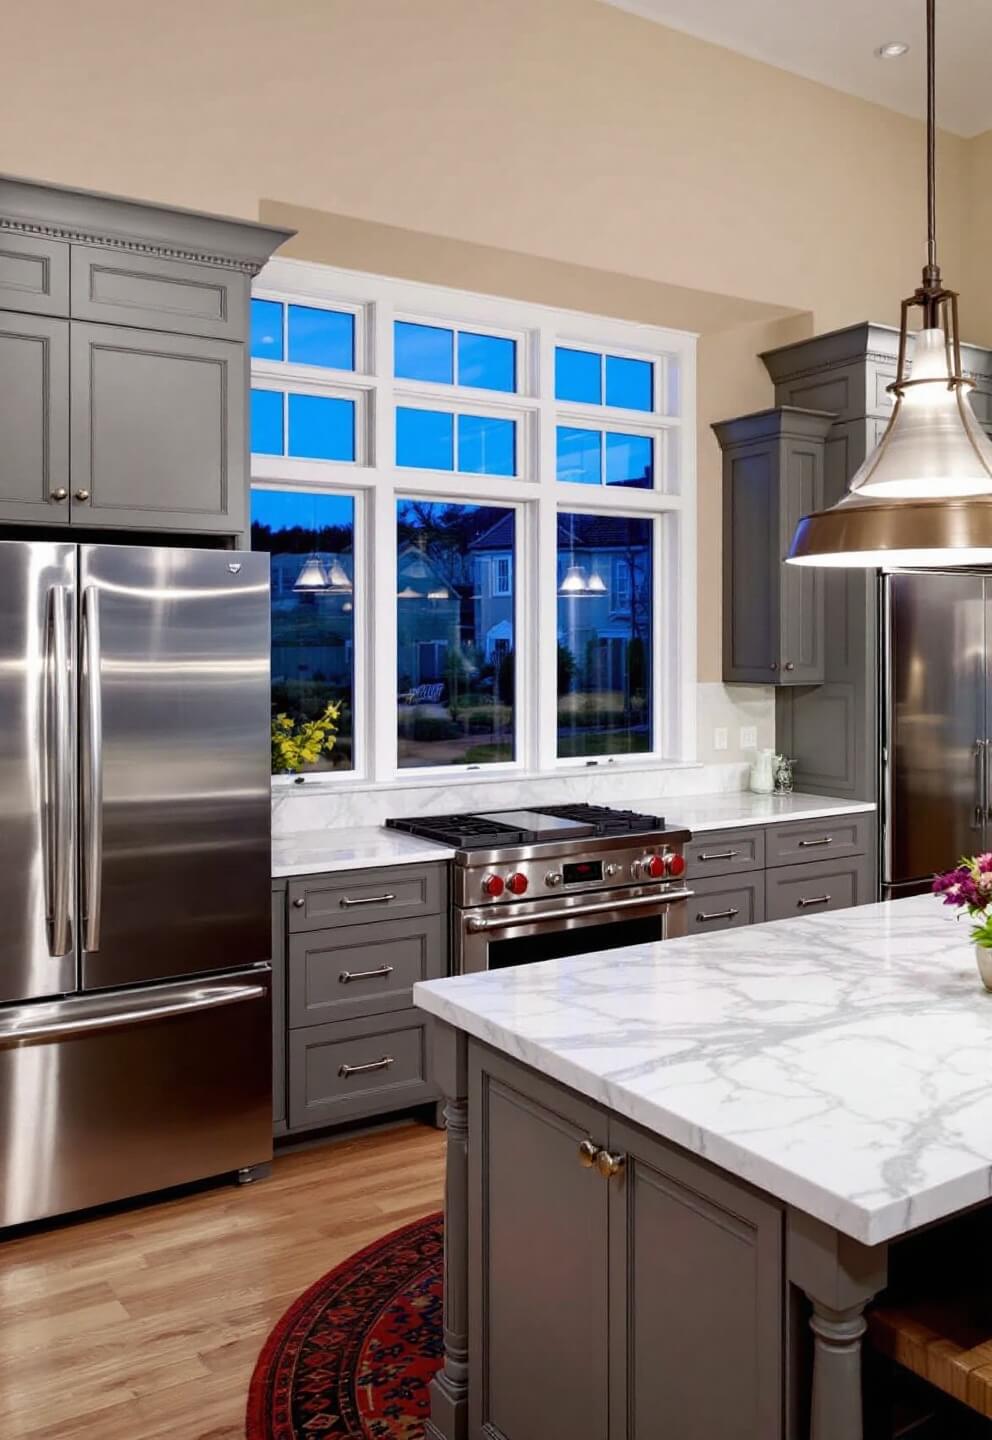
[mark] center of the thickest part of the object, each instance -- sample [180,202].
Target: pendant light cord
[933,270]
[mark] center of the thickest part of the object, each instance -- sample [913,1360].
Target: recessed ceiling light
[892,50]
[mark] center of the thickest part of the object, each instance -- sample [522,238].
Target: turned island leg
[839,1276]
[449,1388]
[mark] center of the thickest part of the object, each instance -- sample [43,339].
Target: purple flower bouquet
[969,888]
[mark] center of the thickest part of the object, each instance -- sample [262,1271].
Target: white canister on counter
[762,778]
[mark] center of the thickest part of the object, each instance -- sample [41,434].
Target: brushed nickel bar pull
[814,900]
[345,902]
[719,854]
[348,1070]
[811,844]
[476,924]
[92,770]
[717,914]
[58,753]
[346,976]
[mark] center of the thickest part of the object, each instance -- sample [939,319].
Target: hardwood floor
[147,1322]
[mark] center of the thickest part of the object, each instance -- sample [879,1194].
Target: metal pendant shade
[924,494]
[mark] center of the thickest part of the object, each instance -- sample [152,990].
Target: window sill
[433,779]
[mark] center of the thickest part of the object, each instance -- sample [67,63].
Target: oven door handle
[476,923]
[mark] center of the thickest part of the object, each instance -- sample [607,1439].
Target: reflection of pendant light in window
[441,594]
[575,582]
[408,593]
[597,585]
[924,495]
[312,579]
[338,581]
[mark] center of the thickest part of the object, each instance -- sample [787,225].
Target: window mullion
[382,574]
[543,575]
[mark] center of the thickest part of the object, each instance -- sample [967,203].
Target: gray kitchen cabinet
[834,730]
[807,840]
[279,1006]
[726,902]
[157,430]
[133,400]
[34,418]
[354,943]
[773,616]
[605,1319]
[835,884]
[696,1272]
[34,274]
[158,294]
[726,852]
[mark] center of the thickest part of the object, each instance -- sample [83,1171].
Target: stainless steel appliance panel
[936,753]
[37,769]
[175,787]
[108,1096]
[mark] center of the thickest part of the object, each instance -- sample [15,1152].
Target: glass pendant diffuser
[311,579]
[924,494]
[574,582]
[338,581]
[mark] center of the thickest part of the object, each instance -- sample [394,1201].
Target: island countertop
[839,1062]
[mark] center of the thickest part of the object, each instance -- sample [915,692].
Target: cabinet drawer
[359,1067]
[725,853]
[810,840]
[826,885]
[362,969]
[725,904]
[357,897]
[155,294]
[34,274]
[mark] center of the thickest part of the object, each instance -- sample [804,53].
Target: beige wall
[559,150]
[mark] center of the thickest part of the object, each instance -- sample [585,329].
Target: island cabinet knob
[609,1165]
[299,902]
[57,496]
[588,1151]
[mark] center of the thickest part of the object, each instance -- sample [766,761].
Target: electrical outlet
[719,739]
[749,737]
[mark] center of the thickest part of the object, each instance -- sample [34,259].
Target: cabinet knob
[57,496]
[609,1165]
[81,495]
[587,1154]
[789,665]
[773,665]
[299,904]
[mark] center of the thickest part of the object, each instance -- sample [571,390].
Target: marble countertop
[311,852]
[839,1061]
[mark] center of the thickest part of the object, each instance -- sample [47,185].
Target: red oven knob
[654,866]
[517,883]
[494,885]
[676,865]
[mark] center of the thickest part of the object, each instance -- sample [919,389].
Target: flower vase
[983,959]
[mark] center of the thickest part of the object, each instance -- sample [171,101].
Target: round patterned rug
[352,1358]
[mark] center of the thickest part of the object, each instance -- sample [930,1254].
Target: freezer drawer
[103,1097]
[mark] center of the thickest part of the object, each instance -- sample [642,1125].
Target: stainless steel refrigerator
[937,724]
[134,871]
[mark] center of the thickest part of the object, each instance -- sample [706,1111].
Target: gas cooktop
[534,825]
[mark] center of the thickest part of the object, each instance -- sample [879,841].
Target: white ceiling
[833,41]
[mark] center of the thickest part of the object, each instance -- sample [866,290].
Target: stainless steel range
[561,880]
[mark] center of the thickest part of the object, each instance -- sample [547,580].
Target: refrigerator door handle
[92,769]
[981,783]
[74,1018]
[59,778]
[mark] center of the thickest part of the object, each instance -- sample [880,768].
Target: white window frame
[535,493]
[502,586]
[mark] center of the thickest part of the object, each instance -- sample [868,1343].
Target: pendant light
[575,582]
[924,494]
[311,579]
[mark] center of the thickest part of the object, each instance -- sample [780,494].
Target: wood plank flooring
[147,1322]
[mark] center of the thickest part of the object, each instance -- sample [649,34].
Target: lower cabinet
[625,1306]
[823,885]
[356,1068]
[726,902]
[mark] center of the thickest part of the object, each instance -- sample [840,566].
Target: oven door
[492,937]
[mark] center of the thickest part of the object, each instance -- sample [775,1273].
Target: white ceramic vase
[983,959]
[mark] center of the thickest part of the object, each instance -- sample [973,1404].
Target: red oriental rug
[352,1358]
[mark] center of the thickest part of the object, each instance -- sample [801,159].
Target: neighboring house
[428,627]
[312,631]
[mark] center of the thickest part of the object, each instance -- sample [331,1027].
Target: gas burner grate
[468,832]
[606,820]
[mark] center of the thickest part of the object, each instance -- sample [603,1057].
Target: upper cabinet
[123,367]
[773,613]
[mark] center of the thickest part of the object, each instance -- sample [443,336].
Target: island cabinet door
[538,1254]
[696,1299]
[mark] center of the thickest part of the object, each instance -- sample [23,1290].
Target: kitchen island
[664,1160]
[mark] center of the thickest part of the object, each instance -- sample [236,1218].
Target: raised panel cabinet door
[158,294]
[34,418]
[34,274]
[538,1257]
[158,430]
[696,1279]
[750,566]
[279,1006]
[801,613]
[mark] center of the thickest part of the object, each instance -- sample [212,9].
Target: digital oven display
[581,871]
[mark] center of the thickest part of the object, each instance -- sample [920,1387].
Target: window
[428,352]
[604,635]
[481,527]
[454,638]
[310,539]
